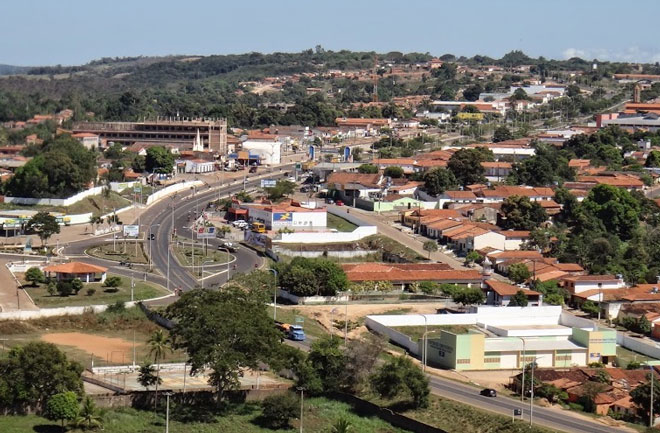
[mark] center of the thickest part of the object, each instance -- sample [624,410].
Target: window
[563,358]
[463,361]
[492,360]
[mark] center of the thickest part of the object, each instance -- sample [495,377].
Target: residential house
[496,171]
[499,293]
[402,275]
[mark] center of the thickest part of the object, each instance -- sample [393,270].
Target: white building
[90,141]
[292,215]
[268,147]
[199,166]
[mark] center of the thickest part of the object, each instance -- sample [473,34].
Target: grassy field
[624,356]
[340,224]
[389,245]
[102,295]
[96,204]
[120,250]
[185,255]
[416,332]
[319,416]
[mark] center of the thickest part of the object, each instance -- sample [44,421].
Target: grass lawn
[417,332]
[319,416]
[288,315]
[120,250]
[340,224]
[184,254]
[98,204]
[102,295]
[390,246]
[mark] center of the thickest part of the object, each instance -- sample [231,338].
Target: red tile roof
[75,268]
[404,273]
[505,289]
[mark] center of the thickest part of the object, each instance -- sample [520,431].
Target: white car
[239,223]
[291,179]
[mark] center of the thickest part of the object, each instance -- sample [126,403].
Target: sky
[73,32]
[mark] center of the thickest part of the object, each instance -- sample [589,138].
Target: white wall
[65,201]
[490,239]
[306,300]
[512,244]
[269,151]
[529,332]
[308,219]
[172,189]
[394,335]
[325,237]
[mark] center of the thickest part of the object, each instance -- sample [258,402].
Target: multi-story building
[179,131]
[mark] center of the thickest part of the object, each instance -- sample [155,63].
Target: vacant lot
[340,224]
[126,250]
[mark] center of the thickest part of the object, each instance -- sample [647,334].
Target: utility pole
[274,295]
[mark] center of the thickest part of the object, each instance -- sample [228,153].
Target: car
[291,179]
[329,201]
[239,223]
[253,169]
[339,203]
[488,392]
[226,245]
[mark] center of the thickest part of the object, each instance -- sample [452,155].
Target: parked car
[291,179]
[329,201]
[239,223]
[253,169]
[339,203]
[488,392]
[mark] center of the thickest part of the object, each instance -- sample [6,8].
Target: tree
[590,307]
[147,376]
[520,213]
[472,93]
[472,257]
[394,172]
[88,416]
[368,169]
[361,357]
[572,90]
[518,95]
[112,281]
[502,133]
[62,407]
[399,376]
[159,160]
[76,285]
[519,299]
[653,160]
[466,166]
[64,288]
[551,393]
[159,344]
[430,246]
[641,395]
[327,358]
[44,225]
[439,180]
[281,189]
[311,277]
[34,276]
[469,296]
[519,273]
[277,410]
[615,208]
[224,331]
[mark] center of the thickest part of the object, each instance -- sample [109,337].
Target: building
[175,130]
[287,214]
[402,275]
[499,338]
[500,294]
[266,146]
[199,166]
[85,272]
[90,141]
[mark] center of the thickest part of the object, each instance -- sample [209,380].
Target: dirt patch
[104,347]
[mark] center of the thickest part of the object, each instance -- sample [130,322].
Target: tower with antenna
[374,77]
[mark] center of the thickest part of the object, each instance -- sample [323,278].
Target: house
[469,237]
[622,180]
[85,272]
[355,185]
[266,146]
[89,140]
[581,284]
[496,171]
[286,214]
[198,166]
[402,275]
[500,294]
[406,164]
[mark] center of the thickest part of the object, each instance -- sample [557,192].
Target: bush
[76,285]
[62,407]
[116,308]
[112,282]
[64,288]
[91,291]
[52,288]
[277,410]
[428,287]
[34,276]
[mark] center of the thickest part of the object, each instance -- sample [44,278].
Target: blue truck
[292,332]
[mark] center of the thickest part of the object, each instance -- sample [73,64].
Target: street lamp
[167,413]
[274,271]
[228,260]
[425,341]
[522,384]
[302,396]
[426,330]
[150,250]
[202,275]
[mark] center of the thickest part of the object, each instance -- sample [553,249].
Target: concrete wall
[394,335]
[173,189]
[326,237]
[307,300]
[329,253]
[115,186]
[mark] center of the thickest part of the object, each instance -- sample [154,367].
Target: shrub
[112,282]
[117,307]
[63,407]
[90,291]
[34,276]
[277,410]
[64,288]
[76,285]
[429,287]
[52,288]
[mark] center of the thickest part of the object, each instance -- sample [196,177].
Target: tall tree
[430,246]
[439,180]
[225,331]
[400,376]
[502,133]
[44,225]
[63,407]
[520,213]
[465,164]
[158,344]
[159,160]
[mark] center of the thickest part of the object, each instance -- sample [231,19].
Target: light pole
[150,250]
[228,260]
[302,397]
[167,413]
[426,330]
[531,398]
[600,299]
[274,271]
[203,263]
[425,340]
[346,320]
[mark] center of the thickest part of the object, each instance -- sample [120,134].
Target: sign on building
[131,230]
[282,217]
[205,232]
[268,183]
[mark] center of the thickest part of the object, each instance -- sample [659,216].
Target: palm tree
[88,417]
[159,344]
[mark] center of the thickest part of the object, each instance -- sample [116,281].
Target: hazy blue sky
[76,31]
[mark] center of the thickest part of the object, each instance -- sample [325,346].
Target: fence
[306,300]
[172,189]
[115,186]
[326,237]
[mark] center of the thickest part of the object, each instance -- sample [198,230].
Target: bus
[258,227]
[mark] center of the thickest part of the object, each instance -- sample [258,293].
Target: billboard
[131,230]
[205,232]
[311,152]
[282,217]
[470,116]
[268,183]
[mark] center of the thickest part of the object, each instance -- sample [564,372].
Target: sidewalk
[10,295]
